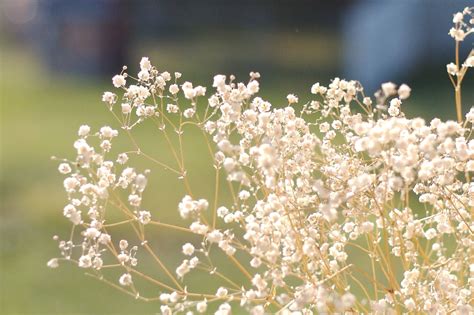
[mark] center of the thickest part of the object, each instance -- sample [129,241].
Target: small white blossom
[430,234]
[144,217]
[188,113]
[85,261]
[292,99]
[126,108]
[201,307]
[84,130]
[109,98]
[144,75]
[174,89]
[72,214]
[53,263]
[188,249]
[119,81]
[389,88]
[458,17]
[107,132]
[219,81]
[318,89]
[469,62]
[410,304]
[64,168]
[221,292]
[404,91]
[172,108]
[452,69]
[122,158]
[145,63]
[125,279]
[123,244]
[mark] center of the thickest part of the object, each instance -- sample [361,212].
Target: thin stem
[216,196]
[457,89]
[158,260]
[241,268]
[171,226]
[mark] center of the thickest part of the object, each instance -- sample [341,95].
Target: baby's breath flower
[214,236]
[410,304]
[107,132]
[199,228]
[53,263]
[224,309]
[145,63]
[458,17]
[123,244]
[134,200]
[389,88]
[188,249]
[430,234]
[452,69]
[125,279]
[219,81]
[72,214]
[104,238]
[292,99]
[201,307]
[64,168]
[85,261]
[188,113]
[122,158]
[144,217]
[84,131]
[457,33]
[119,81]
[183,269]
[404,91]
[91,233]
[253,87]
[393,111]
[469,62]
[174,89]
[172,108]
[109,98]
[221,292]
[244,195]
[324,127]
[126,108]
[318,89]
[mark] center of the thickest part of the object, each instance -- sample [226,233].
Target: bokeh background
[57,57]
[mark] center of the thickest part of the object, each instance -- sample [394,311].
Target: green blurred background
[57,57]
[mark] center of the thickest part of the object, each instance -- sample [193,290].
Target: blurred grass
[40,113]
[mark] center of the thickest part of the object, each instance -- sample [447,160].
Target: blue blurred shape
[87,37]
[389,39]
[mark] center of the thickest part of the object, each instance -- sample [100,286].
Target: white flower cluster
[463,27]
[463,24]
[91,181]
[314,188]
